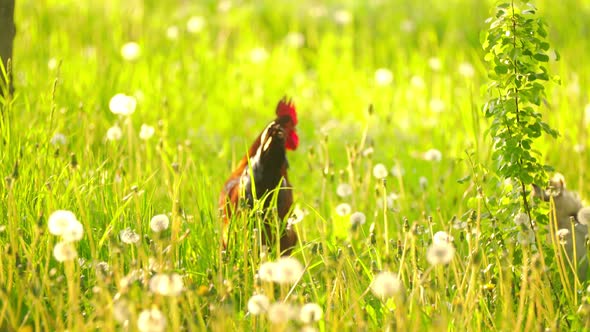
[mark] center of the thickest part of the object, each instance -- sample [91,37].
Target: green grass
[208,101]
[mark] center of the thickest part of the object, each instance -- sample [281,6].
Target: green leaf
[541,57]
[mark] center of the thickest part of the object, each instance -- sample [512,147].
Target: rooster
[265,164]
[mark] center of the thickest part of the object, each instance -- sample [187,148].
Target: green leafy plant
[517,52]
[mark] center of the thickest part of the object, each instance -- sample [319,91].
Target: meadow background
[207,77]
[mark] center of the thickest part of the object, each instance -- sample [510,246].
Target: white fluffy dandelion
[358,218]
[297,215]
[380,171]
[525,236]
[435,64]
[562,235]
[130,51]
[386,285]
[151,320]
[342,17]
[310,313]
[466,70]
[60,221]
[64,251]
[442,237]
[58,139]
[437,105]
[167,284]
[114,133]
[74,232]
[129,236]
[195,24]
[521,219]
[146,132]
[172,32]
[287,271]
[344,190]
[52,64]
[159,223]
[258,55]
[440,253]
[280,312]
[258,304]
[267,271]
[432,155]
[121,311]
[383,76]
[122,104]
[343,209]
[295,39]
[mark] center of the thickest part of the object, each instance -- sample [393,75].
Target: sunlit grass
[132,115]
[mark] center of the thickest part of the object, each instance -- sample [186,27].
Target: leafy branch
[516,49]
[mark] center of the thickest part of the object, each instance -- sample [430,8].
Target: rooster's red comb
[286,107]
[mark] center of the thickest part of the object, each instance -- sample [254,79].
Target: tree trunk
[7,32]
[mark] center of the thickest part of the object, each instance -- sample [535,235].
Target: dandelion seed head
[146,132]
[417,82]
[52,64]
[129,236]
[525,236]
[64,251]
[122,104]
[440,253]
[383,76]
[121,311]
[437,105]
[167,285]
[310,313]
[114,133]
[342,17]
[380,171]
[74,232]
[466,70]
[258,304]
[368,151]
[432,155]
[287,270]
[151,320]
[195,24]
[358,218]
[408,26]
[258,55]
[442,237]
[280,312]
[344,190]
[267,271]
[397,171]
[343,209]
[60,221]
[297,215]
[172,32]
[562,235]
[159,223]
[130,51]
[423,181]
[435,64]
[521,218]
[386,285]
[58,139]
[295,39]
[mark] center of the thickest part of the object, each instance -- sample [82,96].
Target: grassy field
[206,77]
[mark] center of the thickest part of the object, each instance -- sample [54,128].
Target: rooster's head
[287,118]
